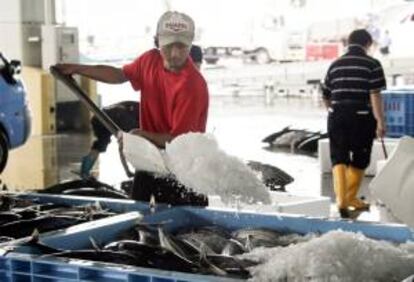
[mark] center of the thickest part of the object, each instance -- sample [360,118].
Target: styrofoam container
[324,154]
[386,215]
[284,202]
[310,206]
[409,279]
[393,185]
[380,165]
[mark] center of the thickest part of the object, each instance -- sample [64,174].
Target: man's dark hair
[360,37]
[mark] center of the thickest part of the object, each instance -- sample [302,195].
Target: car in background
[15,120]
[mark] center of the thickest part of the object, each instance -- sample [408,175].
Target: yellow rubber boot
[354,179]
[340,187]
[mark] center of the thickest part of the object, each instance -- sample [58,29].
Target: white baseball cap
[175,27]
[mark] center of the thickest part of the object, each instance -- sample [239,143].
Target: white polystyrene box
[380,165]
[376,154]
[294,204]
[285,202]
[386,215]
[409,279]
[394,184]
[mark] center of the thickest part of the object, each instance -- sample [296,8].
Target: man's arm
[326,91]
[378,110]
[158,139]
[378,82]
[326,97]
[101,73]
[327,102]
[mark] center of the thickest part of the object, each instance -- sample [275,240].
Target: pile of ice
[197,162]
[335,256]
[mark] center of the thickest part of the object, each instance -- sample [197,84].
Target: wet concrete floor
[239,124]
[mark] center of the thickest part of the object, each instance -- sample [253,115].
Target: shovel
[102,116]
[384,149]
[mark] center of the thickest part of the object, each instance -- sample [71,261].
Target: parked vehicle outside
[15,120]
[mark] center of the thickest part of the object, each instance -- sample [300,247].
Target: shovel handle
[101,116]
[73,85]
[125,164]
[384,149]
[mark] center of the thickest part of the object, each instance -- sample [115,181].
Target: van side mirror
[10,69]
[15,67]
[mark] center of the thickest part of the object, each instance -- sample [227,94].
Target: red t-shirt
[173,103]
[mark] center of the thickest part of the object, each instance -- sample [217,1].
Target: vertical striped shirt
[353,76]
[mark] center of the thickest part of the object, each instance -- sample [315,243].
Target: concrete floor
[238,119]
[239,125]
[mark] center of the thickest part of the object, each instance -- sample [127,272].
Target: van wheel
[262,56]
[4,151]
[211,61]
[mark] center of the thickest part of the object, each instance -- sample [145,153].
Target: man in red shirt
[125,115]
[174,98]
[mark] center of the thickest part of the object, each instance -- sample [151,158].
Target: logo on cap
[176,24]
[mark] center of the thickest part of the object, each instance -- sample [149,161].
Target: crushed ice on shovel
[198,162]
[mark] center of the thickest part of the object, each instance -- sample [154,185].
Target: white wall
[20,23]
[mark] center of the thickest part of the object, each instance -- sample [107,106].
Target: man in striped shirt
[352,95]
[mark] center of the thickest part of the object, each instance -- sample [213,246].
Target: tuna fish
[311,144]
[212,238]
[153,256]
[273,177]
[296,140]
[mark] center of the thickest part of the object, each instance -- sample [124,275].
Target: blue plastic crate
[194,217]
[115,205]
[183,217]
[19,267]
[77,236]
[26,268]
[399,112]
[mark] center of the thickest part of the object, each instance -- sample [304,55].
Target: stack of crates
[399,112]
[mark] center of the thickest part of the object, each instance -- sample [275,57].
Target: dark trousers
[351,131]
[165,190]
[124,114]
